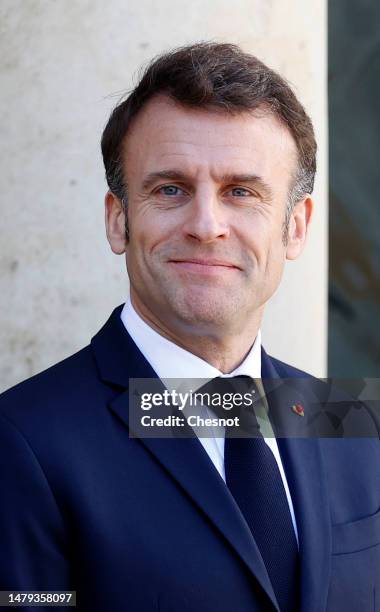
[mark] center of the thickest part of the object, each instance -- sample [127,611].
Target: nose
[206,221]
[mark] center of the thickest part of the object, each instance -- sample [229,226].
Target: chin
[206,314]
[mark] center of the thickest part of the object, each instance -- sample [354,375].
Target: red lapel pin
[298,409]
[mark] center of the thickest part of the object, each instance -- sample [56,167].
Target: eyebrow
[178,175]
[170,175]
[252,179]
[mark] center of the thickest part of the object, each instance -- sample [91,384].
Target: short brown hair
[218,76]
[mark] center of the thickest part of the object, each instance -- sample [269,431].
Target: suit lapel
[303,464]
[185,459]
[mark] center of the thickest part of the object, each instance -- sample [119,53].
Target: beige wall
[63,65]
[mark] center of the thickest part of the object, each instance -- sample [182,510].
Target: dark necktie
[254,479]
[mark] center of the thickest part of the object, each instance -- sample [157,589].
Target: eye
[170,190]
[240,192]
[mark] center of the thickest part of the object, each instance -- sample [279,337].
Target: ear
[115,223]
[298,226]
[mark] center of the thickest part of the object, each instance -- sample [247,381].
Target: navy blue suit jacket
[148,524]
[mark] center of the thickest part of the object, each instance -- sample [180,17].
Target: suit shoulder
[286,370]
[56,382]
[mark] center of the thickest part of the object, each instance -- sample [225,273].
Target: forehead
[166,134]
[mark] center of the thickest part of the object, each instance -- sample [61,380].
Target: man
[210,164]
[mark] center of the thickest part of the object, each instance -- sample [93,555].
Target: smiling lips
[203,266]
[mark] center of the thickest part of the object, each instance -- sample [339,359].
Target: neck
[225,352]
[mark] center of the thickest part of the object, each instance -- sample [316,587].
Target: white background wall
[63,66]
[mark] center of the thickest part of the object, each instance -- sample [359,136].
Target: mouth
[204,266]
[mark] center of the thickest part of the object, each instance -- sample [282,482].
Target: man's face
[207,196]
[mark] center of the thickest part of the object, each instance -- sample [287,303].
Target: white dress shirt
[170,361]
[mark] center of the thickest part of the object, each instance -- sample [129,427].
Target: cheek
[151,228]
[146,249]
[275,262]
[262,237]
[267,245]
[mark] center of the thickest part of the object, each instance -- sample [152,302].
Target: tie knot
[230,384]
[233,396]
